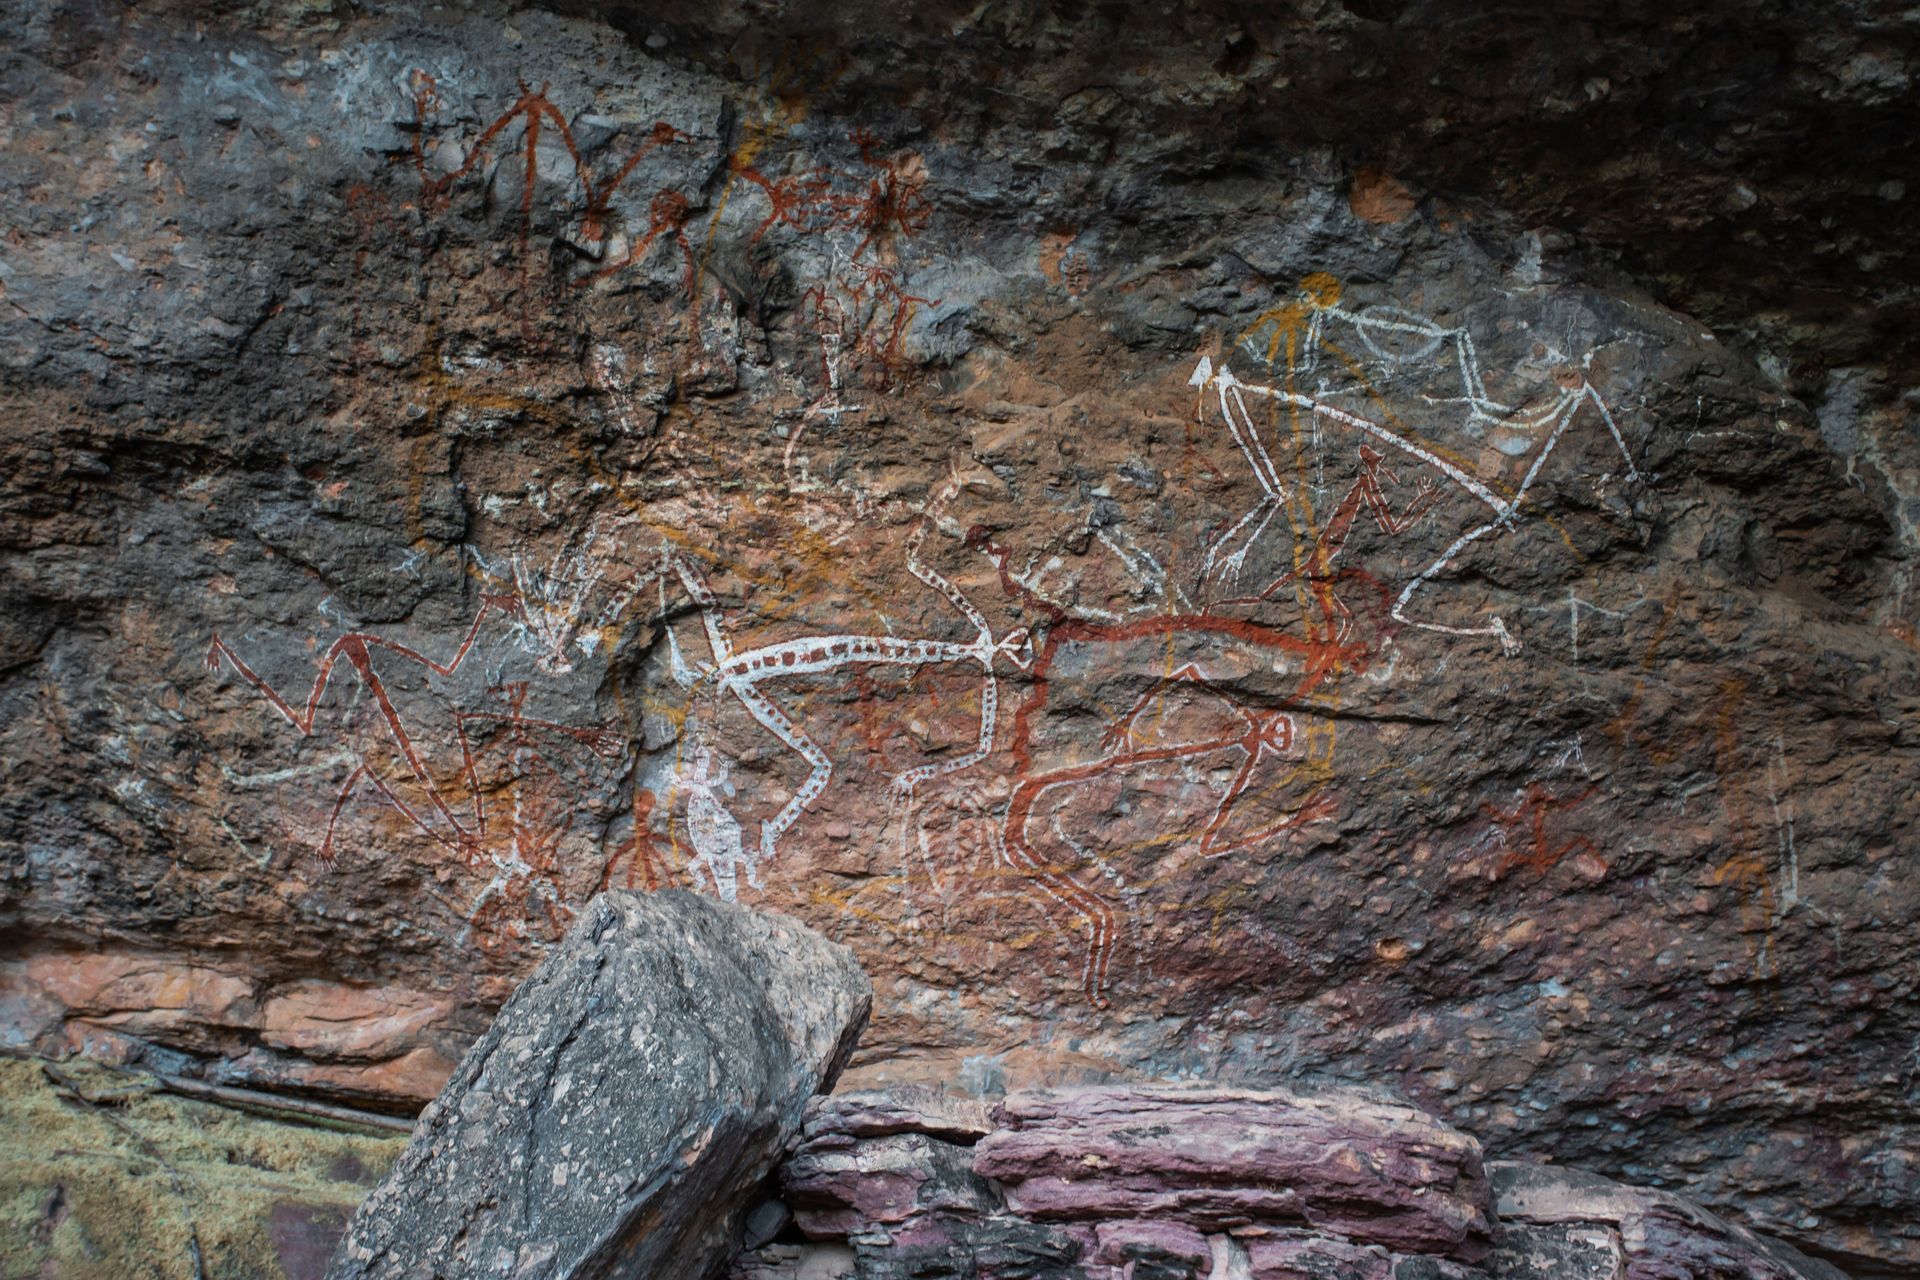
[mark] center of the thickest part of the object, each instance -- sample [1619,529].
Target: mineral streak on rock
[618,1116]
[1369,538]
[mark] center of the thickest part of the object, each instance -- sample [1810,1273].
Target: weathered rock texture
[1563,1223]
[1204,540]
[616,1119]
[1192,1184]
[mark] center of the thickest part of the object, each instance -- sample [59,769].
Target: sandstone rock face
[616,1119]
[376,1046]
[1206,1184]
[1361,539]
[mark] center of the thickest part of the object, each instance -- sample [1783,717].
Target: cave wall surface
[1370,542]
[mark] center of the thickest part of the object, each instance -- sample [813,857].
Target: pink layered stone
[906,1109]
[1118,1243]
[839,1186]
[1371,1171]
[1313,1257]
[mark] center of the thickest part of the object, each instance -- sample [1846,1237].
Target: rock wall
[1195,543]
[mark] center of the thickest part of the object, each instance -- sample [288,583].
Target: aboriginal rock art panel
[645,207]
[461,764]
[750,677]
[1374,458]
[1402,386]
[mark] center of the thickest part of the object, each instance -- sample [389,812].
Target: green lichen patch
[135,1182]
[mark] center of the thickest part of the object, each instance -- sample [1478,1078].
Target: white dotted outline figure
[1556,418]
[1317,306]
[741,675]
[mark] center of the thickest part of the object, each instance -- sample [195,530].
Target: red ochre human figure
[1258,735]
[454,831]
[1523,830]
[893,202]
[1326,644]
[865,316]
[881,208]
[537,113]
[668,215]
[799,201]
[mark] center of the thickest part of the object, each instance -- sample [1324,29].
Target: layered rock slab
[1368,1170]
[1158,1183]
[1115,1183]
[618,1115]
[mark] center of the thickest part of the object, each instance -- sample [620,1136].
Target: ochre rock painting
[1174,609]
[1262,770]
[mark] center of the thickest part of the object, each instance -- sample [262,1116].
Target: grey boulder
[619,1115]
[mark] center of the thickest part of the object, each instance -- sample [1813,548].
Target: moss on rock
[131,1183]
